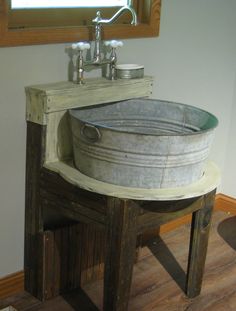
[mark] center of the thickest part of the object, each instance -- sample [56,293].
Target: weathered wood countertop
[207,183]
[44,99]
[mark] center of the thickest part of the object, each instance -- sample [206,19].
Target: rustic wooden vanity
[77,227]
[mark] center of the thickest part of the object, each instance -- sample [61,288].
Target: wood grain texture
[21,301]
[63,17]
[123,219]
[154,219]
[59,137]
[61,96]
[72,210]
[207,183]
[73,256]
[70,34]
[198,245]
[48,105]
[14,283]
[225,203]
[159,276]
[73,252]
[121,236]
[33,212]
[35,108]
[11,284]
[54,188]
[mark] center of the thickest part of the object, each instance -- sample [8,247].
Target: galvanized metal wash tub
[142,143]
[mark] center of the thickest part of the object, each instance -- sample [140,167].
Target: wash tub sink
[142,143]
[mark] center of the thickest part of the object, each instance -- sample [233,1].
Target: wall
[230,158]
[193,61]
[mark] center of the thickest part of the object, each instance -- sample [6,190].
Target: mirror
[42,26]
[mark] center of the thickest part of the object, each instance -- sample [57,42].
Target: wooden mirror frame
[16,37]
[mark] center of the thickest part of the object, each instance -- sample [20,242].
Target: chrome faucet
[113,44]
[98,21]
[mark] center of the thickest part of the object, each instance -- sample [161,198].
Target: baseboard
[14,283]
[225,203]
[11,284]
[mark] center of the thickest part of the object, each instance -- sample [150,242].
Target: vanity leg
[198,245]
[33,259]
[121,238]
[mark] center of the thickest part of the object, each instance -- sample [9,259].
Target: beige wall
[193,61]
[229,172]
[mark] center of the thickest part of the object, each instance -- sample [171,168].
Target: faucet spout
[99,59]
[99,20]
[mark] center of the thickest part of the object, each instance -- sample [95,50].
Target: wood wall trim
[225,203]
[14,283]
[11,284]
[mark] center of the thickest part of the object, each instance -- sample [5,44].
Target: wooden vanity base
[73,235]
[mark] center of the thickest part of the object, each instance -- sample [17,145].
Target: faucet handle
[81,46]
[114,43]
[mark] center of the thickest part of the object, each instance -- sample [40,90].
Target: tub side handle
[91,133]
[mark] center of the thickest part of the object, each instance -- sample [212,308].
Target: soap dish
[129,71]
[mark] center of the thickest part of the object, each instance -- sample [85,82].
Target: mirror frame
[17,37]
